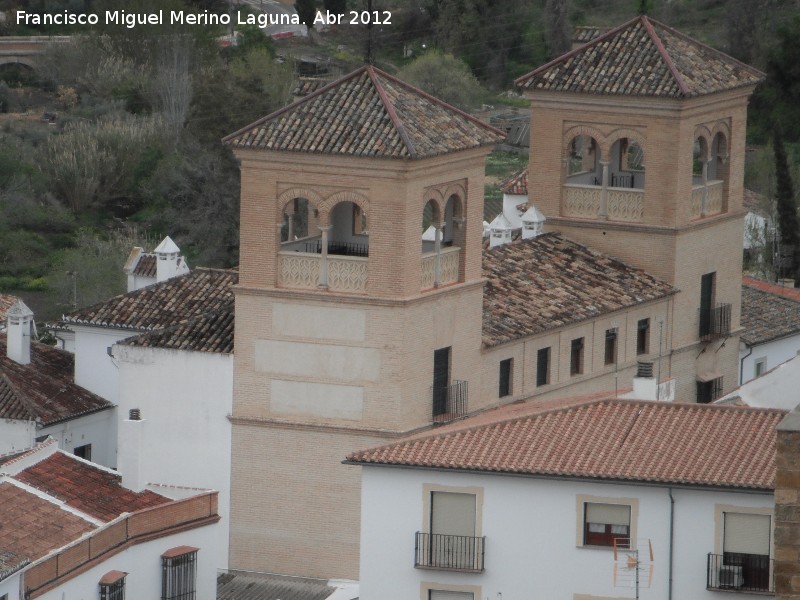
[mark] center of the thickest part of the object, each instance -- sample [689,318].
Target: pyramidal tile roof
[367,113]
[642,57]
[611,439]
[516,184]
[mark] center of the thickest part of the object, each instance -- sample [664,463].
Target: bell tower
[350,327]
[637,149]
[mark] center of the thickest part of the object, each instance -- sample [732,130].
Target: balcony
[715,322]
[740,572]
[448,267]
[449,401]
[302,270]
[584,201]
[713,200]
[449,552]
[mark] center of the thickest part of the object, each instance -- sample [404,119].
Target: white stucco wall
[185,399]
[775,352]
[95,370]
[532,537]
[98,429]
[16,435]
[142,562]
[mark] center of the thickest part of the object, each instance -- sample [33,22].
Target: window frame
[643,336]
[543,366]
[582,500]
[576,356]
[112,586]
[611,347]
[179,568]
[86,451]
[506,378]
[426,587]
[760,367]
[708,391]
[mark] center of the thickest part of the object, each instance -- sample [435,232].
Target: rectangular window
[746,550]
[448,595]
[576,357]
[643,336]
[452,541]
[84,451]
[708,391]
[761,367]
[113,591]
[441,380]
[543,367]
[611,347]
[505,377]
[707,285]
[603,523]
[179,574]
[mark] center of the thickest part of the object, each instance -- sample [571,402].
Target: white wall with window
[769,355]
[533,532]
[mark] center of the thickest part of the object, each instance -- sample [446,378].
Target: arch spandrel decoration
[603,145]
[297,192]
[441,193]
[631,134]
[344,196]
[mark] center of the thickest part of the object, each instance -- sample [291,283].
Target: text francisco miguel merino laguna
[173,17]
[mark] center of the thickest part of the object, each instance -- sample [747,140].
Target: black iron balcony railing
[743,572]
[449,401]
[338,248]
[715,322]
[449,552]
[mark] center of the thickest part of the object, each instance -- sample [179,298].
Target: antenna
[633,567]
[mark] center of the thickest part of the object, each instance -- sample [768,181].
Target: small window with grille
[112,586]
[179,574]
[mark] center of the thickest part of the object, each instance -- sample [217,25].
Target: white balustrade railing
[448,267]
[713,203]
[624,204]
[301,270]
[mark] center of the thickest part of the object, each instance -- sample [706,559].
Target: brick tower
[637,150]
[349,328]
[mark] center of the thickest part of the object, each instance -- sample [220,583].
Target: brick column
[787,508]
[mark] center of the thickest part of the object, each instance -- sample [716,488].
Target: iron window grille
[113,591]
[179,576]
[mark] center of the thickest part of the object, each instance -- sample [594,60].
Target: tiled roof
[517,184]
[767,315]
[235,585]
[91,490]
[164,304]
[210,332]
[309,85]
[586,33]
[6,302]
[367,113]
[615,440]
[146,267]
[43,390]
[772,288]
[32,527]
[642,58]
[549,281]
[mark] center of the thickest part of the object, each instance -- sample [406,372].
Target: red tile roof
[517,184]
[367,113]
[146,266]
[43,390]
[549,281]
[91,490]
[642,57]
[32,527]
[164,304]
[613,440]
[210,332]
[6,302]
[767,312]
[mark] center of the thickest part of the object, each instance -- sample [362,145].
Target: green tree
[786,206]
[306,10]
[445,77]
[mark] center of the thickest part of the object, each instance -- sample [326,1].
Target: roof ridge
[438,101]
[294,104]
[665,55]
[401,129]
[600,38]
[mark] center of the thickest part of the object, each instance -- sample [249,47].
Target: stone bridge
[26,50]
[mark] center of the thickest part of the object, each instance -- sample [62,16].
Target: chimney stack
[18,341]
[130,448]
[167,254]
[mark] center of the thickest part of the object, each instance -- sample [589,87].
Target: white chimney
[500,230]
[510,210]
[129,460]
[532,223]
[19,319]
[167,253]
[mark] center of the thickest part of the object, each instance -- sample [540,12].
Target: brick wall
[787,509]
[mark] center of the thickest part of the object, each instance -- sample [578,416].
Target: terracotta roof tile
[163,304]
[43,390]
[146,266]
[210,332]
[619,440]
[6,302]
[549,281]
[642,57]
[517,184]
[767,314]
[772,288]
[32,527]
[367,113]
[93,491]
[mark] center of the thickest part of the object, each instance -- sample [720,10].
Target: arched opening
[442,240]
[583,161]
[299,226]
[627,165]
[709,176]
[431,218]
[349,233]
